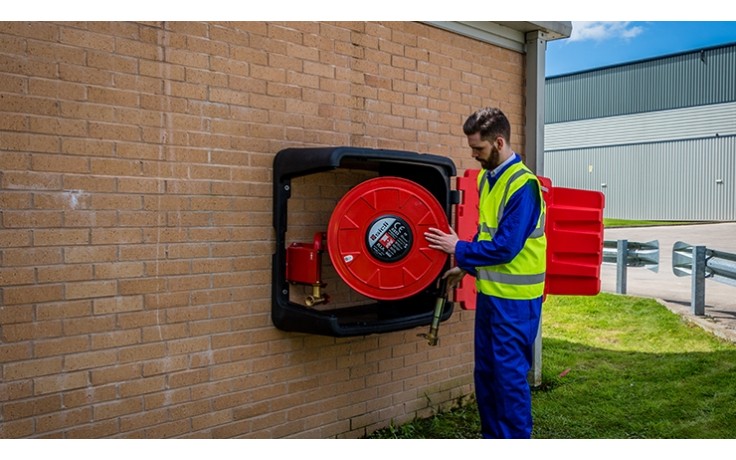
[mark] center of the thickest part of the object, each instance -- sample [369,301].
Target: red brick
[32,407]
[166,300]
[32,294]
[89,396]
[95,430]
[141,286]
[90,289]
[34,368]
[90,254]
[189,409]
[166,398]
[30,180]
[142,352]
[119,373]
[17,429]
[113,131]
[211,419]
[58,237]
[88,324]
[117,270]
[62,382]
[117,304]
[32,219]
[15,390]
[116,236]
[63,310]
[60,346]
[14,276]
[142,386]
[117,408]
[14,352]
[144,419]
[89,184]
[141,219]
[63,419]
[116,339]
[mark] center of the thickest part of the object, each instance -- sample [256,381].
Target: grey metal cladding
[686,180]
[699,77]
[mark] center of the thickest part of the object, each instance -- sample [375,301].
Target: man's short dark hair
[490,122]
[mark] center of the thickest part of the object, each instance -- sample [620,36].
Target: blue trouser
[504,339]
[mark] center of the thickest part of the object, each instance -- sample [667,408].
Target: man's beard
[492,161]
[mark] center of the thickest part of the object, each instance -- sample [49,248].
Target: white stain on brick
[72,197]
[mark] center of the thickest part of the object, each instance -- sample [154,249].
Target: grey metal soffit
[506,34]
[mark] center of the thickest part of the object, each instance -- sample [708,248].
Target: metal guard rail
[626,253]
[699,262]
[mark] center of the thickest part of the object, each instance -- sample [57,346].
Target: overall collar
[495,172]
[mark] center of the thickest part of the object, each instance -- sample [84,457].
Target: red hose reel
[376,238]
[375,241]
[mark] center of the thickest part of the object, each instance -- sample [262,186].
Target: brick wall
[136,230]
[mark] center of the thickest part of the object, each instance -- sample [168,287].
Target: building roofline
[506,34]
[643,60]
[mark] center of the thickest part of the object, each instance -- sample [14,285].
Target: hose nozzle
[433,336]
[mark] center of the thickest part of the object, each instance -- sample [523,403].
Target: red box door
[574,228]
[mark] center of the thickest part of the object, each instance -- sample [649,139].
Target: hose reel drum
[375,238]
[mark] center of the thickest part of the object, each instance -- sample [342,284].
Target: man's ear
[500,142]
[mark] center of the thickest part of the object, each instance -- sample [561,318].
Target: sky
[599,44]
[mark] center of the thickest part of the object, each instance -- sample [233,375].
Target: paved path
[675,292]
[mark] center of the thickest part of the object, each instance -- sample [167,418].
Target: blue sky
[599,44]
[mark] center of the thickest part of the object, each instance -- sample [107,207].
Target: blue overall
[505,329]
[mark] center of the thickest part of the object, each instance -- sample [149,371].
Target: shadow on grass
[596,393]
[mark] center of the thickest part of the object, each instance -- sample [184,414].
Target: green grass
[616,367]
[617,223]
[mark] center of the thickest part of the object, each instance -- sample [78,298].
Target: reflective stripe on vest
[523,277]
[536,233]
[508,278]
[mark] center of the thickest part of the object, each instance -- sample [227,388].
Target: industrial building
[656,136]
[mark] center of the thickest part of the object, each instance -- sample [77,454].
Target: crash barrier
[626,253]
[700,263]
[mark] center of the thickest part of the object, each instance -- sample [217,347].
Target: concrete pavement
[675,292]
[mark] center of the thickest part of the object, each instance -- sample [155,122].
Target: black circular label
[389,238]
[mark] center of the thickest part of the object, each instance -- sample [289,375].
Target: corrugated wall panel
[688,180]
[694,78]
[690,122]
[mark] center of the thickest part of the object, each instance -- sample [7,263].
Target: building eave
[507,34]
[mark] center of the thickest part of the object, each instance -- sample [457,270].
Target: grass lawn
[617,223]
[616,367]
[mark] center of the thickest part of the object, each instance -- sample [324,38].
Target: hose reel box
[374,239]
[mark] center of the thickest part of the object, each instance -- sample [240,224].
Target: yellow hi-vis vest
[523,277]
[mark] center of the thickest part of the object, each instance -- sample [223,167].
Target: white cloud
[599,31]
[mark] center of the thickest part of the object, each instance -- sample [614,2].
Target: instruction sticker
[389,238]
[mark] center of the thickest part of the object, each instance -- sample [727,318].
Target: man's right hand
[453,276]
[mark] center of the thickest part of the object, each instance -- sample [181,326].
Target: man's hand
[454,275]
[442,241]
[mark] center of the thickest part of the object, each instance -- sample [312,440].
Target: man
[508,258]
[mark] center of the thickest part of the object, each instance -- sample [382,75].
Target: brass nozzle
[316,297]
